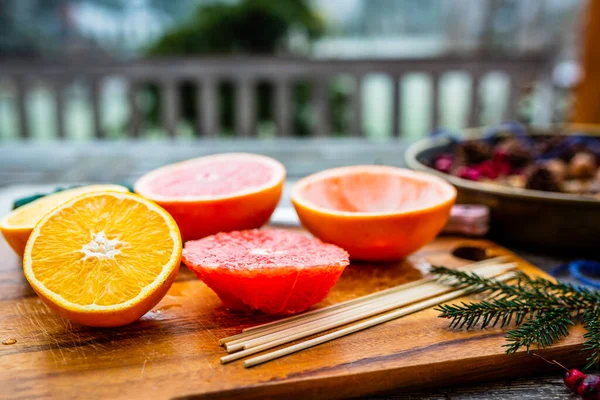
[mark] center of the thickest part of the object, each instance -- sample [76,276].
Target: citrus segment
[376,213]
[104,258]
[218,193]
[274,271]
[17,226]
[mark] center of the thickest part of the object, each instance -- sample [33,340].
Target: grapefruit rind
[200,216]
[378,236]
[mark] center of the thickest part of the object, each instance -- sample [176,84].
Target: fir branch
[542,331]
[477,284]
[542,310]
[488,312]
[591,322]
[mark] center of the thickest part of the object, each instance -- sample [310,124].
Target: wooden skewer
[238,344]
[369,309]
[498,259]
[264,337]
[276,331]
[378,308]
[362,325]
[317,314]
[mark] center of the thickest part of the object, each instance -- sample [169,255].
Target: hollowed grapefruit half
[376,213]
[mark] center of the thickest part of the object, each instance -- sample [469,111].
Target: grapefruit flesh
[376,213]
[218,193]
[275,271]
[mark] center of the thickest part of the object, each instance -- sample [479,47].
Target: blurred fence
[245,73]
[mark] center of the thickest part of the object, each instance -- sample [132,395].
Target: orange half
[376,213]
[18,224]
[104,258]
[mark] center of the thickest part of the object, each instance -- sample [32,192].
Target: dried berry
[488,169]
[539,177]
[443,163]
[583,165]
[473,152]
[501,164]
[470,173]
[518,155]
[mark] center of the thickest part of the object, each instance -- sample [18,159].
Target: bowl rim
[415,149]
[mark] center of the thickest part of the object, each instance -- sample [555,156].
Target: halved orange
[17,226]
[104,258]
[375,213]
[216,193]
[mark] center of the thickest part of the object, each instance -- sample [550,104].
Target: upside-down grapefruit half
[376,213]
[103,258]
[218,193]
[275,271]
[17,226]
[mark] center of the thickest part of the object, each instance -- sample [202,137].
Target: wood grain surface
[172,352]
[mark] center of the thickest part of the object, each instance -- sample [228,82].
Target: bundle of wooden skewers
[358,314]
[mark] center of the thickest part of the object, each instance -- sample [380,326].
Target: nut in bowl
[375,213]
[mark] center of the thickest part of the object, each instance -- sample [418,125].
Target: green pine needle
[591,322]
[542,331]
[542,310]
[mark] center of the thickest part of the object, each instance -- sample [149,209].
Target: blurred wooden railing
[207,73]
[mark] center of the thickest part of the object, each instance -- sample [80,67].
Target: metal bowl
[553,222]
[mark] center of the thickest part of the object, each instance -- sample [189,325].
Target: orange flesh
[373,192]
[135,245]
[214,178]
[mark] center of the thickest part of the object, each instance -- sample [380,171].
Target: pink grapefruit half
[217,193]
[272,270]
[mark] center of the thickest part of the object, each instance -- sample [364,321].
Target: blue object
[582,270]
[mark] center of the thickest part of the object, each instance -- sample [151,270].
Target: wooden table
[36,167]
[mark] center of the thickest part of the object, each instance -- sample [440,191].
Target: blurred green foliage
[248,27]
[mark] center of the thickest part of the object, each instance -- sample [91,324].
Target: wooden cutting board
[172,352]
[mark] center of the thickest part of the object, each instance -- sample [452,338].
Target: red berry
[573,378]
[589,387]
